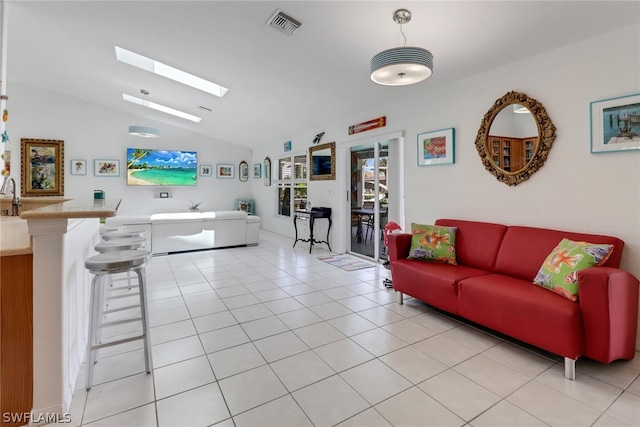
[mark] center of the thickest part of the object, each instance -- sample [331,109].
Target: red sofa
[492,285]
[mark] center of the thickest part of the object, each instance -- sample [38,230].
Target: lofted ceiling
[279,85]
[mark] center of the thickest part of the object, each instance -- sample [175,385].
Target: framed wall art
[244,171]
[257,171]
[267,171]
[436,147]
[225,171]
[615,124]
[78,167]
[206,170]
[42,167]
[106,167]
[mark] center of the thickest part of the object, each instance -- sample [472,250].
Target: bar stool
[124,234]
[124,244]
[103,266]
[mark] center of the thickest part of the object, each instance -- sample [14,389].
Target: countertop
[14,231]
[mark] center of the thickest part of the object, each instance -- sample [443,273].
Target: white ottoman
[253,230]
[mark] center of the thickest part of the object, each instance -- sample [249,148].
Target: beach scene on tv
[161,167]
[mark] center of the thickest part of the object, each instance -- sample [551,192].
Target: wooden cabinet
[511,154]
[16,332]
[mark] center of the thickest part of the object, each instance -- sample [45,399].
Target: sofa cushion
[524,249]
[477,243]
[431,282]
[559,271]
[523,311]
[433,243]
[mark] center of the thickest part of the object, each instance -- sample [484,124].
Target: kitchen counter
[75,209]
[14,236]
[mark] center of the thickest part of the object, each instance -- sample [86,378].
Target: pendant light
[404,65]
[144,131]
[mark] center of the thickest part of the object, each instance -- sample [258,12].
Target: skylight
[153,66]
[162,108]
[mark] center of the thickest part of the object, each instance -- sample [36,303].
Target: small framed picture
[225,171]
[164,194]
[205,170]
[436,147]
[257,171]
[287,146]
[106,167]
[615,124]
[78,167]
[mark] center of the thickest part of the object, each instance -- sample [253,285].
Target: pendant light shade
[401,66]
[404,65]
[144,131]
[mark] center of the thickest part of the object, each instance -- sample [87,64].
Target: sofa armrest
[608,299]
[398,246]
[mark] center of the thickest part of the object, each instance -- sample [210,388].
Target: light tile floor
[271,336]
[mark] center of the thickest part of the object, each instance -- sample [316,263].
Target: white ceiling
[279,85]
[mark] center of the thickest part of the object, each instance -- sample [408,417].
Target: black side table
[311,216]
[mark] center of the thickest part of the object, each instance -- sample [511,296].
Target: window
[292,184]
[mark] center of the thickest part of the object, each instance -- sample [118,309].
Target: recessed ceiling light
[162,108]
[153,66]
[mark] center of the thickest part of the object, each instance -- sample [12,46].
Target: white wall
[91,132]
[575,190]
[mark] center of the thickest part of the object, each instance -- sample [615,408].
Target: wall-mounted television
[161,167]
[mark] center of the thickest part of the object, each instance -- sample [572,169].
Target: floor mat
[346,262]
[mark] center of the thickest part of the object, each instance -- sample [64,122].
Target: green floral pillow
[559,272]
[433,243]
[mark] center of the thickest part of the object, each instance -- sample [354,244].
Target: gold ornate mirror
[514,138]
[322,162]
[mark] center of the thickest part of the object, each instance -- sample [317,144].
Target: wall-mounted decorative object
[436,147]
[267,171]
[511,145]
[225,171]
[257,171]
[206,170]
[106,167]
[6,157]
[287,146]
[164,195]
[243,174]
[322,162]
[78,167]
[42,167]
[615,124]
[368,125]
[318,137]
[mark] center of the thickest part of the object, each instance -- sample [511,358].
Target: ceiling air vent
[283,22]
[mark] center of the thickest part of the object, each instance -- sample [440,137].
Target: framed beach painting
[615,124]
[78,167]
[106,167]
[225,171]
[42,167]
[436,147]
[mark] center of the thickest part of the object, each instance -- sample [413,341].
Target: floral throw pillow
[433,243]
[559,271]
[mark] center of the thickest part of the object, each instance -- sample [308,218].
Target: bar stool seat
[103,266]
[121,244]
[125,234]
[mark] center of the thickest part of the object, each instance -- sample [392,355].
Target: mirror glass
[322,162]
[515,138]
[267,171]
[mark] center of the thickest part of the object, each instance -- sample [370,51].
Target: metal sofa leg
[569,368]
[400,299]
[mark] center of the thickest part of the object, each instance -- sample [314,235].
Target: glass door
[369,198]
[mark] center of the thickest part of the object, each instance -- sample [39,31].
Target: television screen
[161,167]
[321,165]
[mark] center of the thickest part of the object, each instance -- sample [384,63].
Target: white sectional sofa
[188,231]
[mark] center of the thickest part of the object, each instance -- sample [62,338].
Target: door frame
[396,184]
